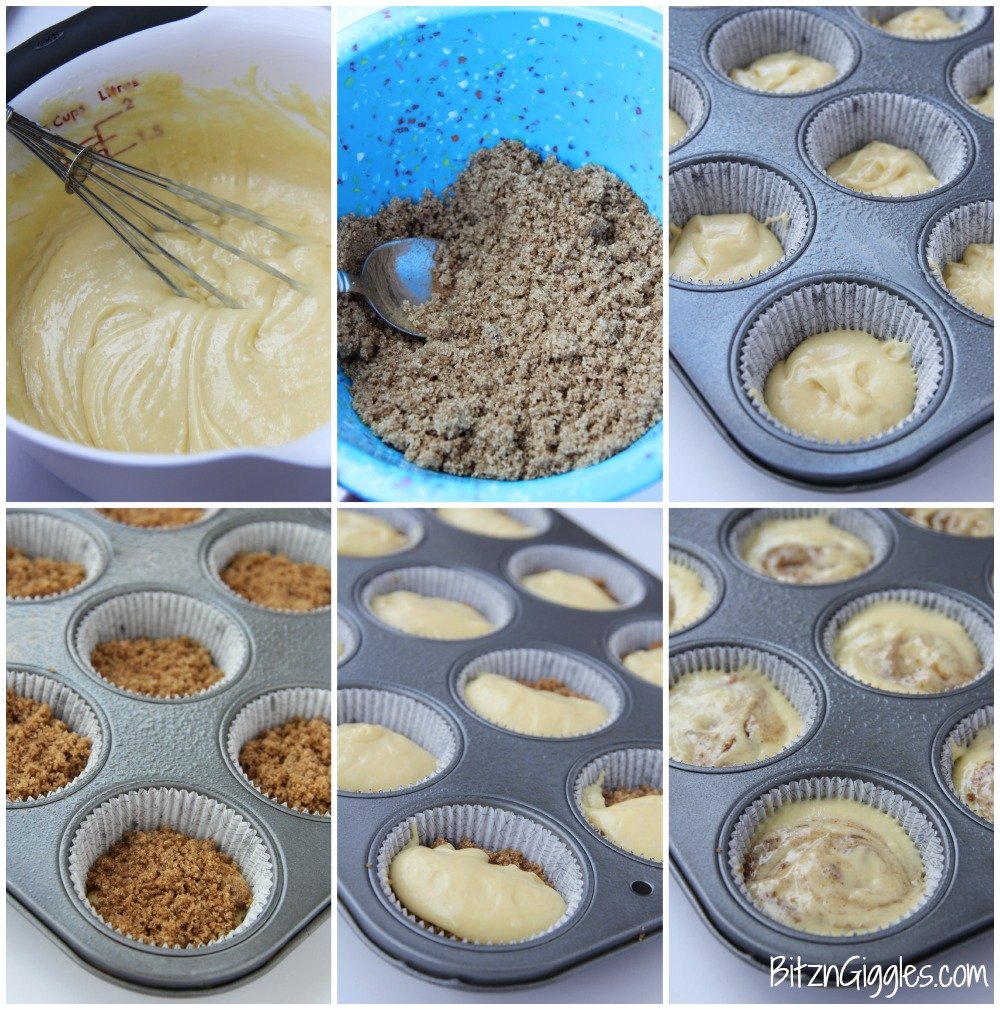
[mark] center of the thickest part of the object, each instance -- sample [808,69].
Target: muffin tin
[522,788]
[869,254]
[166,760]
[856,740]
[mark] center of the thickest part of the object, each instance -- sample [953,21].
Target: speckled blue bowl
[420,89]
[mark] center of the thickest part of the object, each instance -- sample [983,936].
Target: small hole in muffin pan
[911,94]
[165,749]
[863,741]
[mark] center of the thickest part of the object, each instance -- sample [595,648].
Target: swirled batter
[689,599]
[833,867]
[920,23]
[956,521]
[972,773]
[807,551]
[721,248]
[884,170]
[786,73]
[101,352]
[970,280]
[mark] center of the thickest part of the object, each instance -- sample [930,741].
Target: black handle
[44,52]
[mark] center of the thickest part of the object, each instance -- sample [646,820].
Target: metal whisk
[130,201]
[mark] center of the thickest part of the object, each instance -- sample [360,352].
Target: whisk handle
[91,28]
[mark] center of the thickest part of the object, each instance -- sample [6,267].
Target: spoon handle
[346,284]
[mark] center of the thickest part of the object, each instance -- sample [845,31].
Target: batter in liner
[101,352]
[430,616]
[373,759]
[983,102]
[570,590]
[884,170]
[689,599]
[972,773]
[957,522]
[970,280]
[498,523]
[634,824]
[807,551]
[678,128]
[721,248]
[786,73]
[646,663]
[920,23]
[363,535]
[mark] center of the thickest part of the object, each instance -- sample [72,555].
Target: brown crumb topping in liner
[292,763]
[277,582]
[153,518]
[158,666]
[40,576]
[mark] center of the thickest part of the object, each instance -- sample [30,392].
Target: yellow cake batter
[972,773]
[363,535]
[920,23]
[635,825]
[646,663]
[486,522]
[807,551]
[373,759]
[842,386]
[787,73]
[958,522]
[430,616]
[678,128]
[101,352]
[984,102]
[884,170]
[721,248]
[689,599]
[570,590]
[970,280]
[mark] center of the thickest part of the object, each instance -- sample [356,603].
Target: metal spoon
[394,272]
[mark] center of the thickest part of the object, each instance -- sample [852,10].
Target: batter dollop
[372,759]
[678,128]
[362,535]
[956,521]
[430,616]
[833,867]
[722,248]
[786,73]
[570,590]
[972,773]
[634,824]
[906,648]
[101,352]
[486,522]
[722,718]
[884,170]
[970,280]
[842,386]
[646,663]
[807,551]
[689,599]
[983,102]
[920,23]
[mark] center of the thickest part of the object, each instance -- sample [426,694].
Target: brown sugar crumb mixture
[275,581]
[165,888]
[500,857]
[153,518]
[292,763]
[553,685]
[159,666]
[545,341]
[43,753]
[612,796]
[40,576]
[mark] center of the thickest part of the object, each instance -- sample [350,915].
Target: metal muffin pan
[181,743]
[531,776]
[869,241]
[857,732]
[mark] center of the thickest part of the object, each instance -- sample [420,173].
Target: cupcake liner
[619,578]
[865,524]
[298,541]
[348,638]
[402,520]
[576,673]
[913,821]
[629,768]
[848,123]
[948,238]
[730,186]
[978,628]
[492,828]
[961,735]
[709,576]
[972,74]
[451,583]
[154,613]
[968,17]
[631,637]
[832,305]
[206,515]
[274,709]
[537,520]
[41,534]
[736,43]
[69,706]
[690,101]
[188,813]
[788,677]
[414,719]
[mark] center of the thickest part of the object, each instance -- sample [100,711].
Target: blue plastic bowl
[421,89]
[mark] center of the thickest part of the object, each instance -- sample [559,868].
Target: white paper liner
[866,524]
[972,74]
[414,719]
[789,679]
[189,813]
[948,239]
[913,821]
[537,664]
[632,637]
[491,828]
[689,101]
[268,711]
[976,626]
[968,17]
[68,706]
[730,186]
[736,43]
[156,613]
[404,521]
[835,305]
[206,515]
[845,125]
[961,735]
[347,636]
[619,578]
[450,583]
[708,576]
[629,768]
[537,520]
[299,542]
[41,534]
